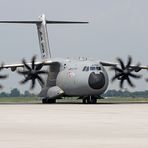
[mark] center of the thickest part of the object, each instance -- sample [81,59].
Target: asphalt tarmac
[74,126]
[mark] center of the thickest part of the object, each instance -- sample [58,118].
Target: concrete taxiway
[74,126]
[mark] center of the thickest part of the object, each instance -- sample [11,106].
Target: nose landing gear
[90,100]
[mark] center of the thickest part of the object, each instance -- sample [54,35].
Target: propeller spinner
[32,72]
[125,72]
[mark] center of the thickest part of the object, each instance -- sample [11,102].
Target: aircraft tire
[48,101]
[91,100]
[84,101]
[44,101]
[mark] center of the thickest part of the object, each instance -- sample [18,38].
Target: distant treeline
[16,93]
[110,93]
[119,93]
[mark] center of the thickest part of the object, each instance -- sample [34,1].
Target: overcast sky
[117,28]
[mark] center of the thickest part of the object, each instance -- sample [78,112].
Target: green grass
[19,100]
[124,100]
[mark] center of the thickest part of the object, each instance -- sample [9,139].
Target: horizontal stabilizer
[38,22]
[41,24]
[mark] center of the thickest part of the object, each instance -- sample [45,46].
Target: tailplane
[43,33]
[43,38]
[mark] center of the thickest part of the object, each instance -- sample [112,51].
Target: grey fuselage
[78,77]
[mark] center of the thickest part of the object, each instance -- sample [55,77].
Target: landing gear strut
[89,100]
[48,101]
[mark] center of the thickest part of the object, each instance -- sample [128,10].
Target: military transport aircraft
[86,79]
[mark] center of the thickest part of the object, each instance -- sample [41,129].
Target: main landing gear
[48,101]
[90,100]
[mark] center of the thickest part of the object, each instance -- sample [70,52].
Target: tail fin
[42,32]
[43,38]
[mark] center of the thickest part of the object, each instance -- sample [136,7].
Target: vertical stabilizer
[42,32]
[43,38]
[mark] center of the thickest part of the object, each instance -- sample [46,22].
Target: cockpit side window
[98,68]
[86,68]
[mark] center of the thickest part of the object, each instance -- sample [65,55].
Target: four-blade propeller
[32,72]
[125,72]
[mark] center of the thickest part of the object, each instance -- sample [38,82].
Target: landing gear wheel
[84,101]
[44,101]
[89,100]
[51,101]
[94,100]
[48,101]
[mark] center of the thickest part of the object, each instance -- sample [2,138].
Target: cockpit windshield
[91,68]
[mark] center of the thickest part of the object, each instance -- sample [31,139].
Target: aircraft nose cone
[96,81]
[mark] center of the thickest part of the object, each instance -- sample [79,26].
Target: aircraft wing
[104,63]
[47,21]
[125,70]
[110,64]
[13,67]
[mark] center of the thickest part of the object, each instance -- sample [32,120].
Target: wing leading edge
[110,64]
[13,67]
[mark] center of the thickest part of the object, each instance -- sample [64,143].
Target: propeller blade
[40,79]
[135,76]
[116,69]
[22,72]
[27,66]
[1,66]
[24,81]
[38,67]
[33,83]
[121,63]
[125,72]
[129,62]
[116,76]
[32,72]
[130,83]
[3,76]
[33,62]
[1,87]
[121,82]
[42,72]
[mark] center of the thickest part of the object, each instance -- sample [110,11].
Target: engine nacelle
[54,92]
